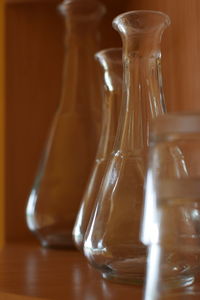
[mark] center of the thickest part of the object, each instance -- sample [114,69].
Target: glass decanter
[70,150]
[111,63]
[112,243]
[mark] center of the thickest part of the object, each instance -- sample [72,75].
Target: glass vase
[111,63]
[112,243]
[71,146]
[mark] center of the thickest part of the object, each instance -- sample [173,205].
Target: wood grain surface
[30,271]
[34,60]
[31,1]
[8,296]
[2,124]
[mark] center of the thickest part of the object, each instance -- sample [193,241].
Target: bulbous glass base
[78,241]
[55,237]
[127,267]
[179,281]
[126,271]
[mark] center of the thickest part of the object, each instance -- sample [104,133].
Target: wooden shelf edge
[31,1]
[6,296]
[30,272]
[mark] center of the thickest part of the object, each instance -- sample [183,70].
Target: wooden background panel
[2,127]
[34,47]
[181,51]
[34,61]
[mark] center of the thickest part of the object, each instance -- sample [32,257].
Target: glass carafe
[112,242]
[111,63]
[71,146]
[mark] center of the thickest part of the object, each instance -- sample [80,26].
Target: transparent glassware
[111,63]
[71,146]
[112,243]
[172,216]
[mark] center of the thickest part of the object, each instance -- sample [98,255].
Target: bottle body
[72,142]
[114,247]
[170,226]
[111,62]
[54,200]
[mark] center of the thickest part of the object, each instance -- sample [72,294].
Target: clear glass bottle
[70,150]
[172,217]
[112,242]
[111,63]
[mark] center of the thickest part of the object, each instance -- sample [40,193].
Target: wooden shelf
[31,271]
[31,1]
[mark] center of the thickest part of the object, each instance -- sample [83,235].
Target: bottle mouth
[82,9]
[113,55]
[111,61]
[141,21]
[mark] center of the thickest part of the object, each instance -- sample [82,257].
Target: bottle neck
[80,69]
[143,100]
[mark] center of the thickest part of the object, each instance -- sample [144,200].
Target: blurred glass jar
[171,225]
[111,63]
[112,242]
[70,151]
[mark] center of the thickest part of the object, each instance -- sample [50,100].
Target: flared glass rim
[109,57]
[117,19]
[102,53]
